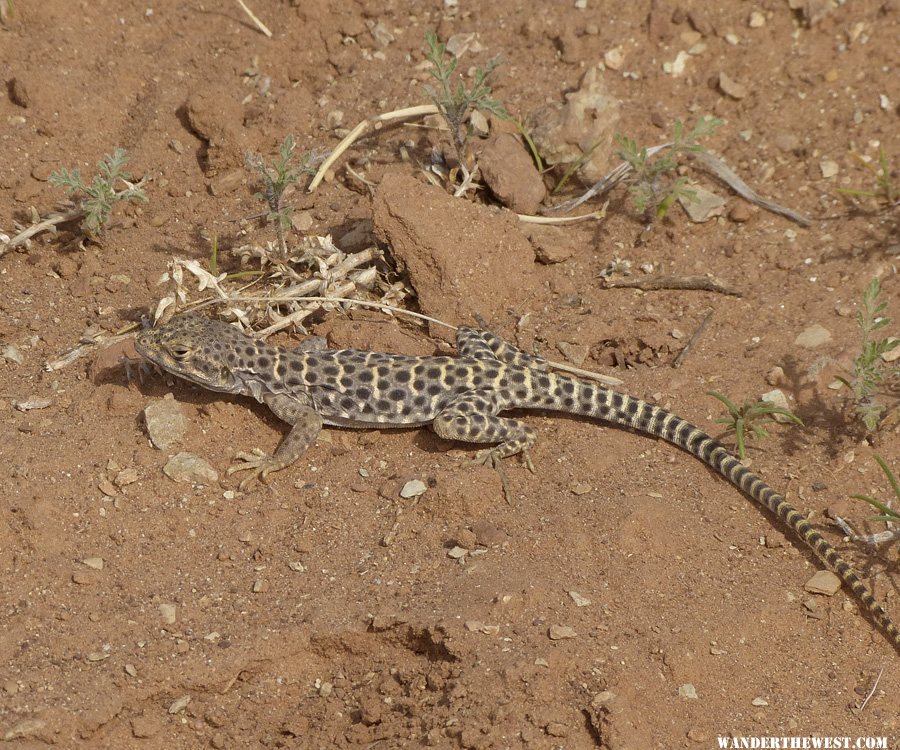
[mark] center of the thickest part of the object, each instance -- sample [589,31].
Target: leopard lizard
[459,397]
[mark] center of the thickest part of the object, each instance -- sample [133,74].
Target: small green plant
[97,199]
[870,370]
[747,421]
[887,513]
[276,180]
[654,188]
[886,192]
[456,103]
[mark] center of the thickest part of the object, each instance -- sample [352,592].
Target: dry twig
[693,283]
[256,22]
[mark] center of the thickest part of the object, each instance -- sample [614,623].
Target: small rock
[787,142]
[688,692]
[575,353]
[892,355]
[32,403]
[550,245]
[759,702]
[777,398]
[26,728]
[413,488]
[740,212]
[125,477]
[614,59]
[83,578]
[166,423]
[179,704]
[18,92]
[704,206]
[144,727]
[557,729]
[107,488]
[829,168]
[11,353]
[259,586]
[730,87]
[676,67]
[757,20]
[487,534]
[775,376]
[227,183]
[169,613]
[508,170]
[93,562]
[190,469]
[824,582]
[457,552]
[580,601]
[813,336]
[580,488]
[177,146]
[561,632]
[130,670]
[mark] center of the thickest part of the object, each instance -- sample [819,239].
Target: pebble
[580,601]
[829,168]
[757,20]
[26,728]
[561,632]
[11,353]
[759,702]
[705,205]
[144,727]
[457,553]
[508,170]
[32,403]
[824,582]
[107,488]
[413,488]
[166,423]
[892,355]
[487,534]
[787,142]
[82,578]
[575,353]
[227,183]
[179,704]
[168,612]
[740,212]
[731,87]
[125,477]
[775,376]
[688,692]
[130,670]
[191,469]
[580,488]
[18,92]
[676,67]
[813,336]
[614,59]
[93,562]
[777,398]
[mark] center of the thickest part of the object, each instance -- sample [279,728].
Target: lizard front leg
[305,427]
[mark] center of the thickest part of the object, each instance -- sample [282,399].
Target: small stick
[872,691]
[348,140]
[259,24]
[697,283]
[693,340]
[600,213]
[42,226]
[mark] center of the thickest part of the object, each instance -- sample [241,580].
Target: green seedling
[276,179]
[870,370]
[886,192]
[455,103]
[97,199]
[654,187]
[747,421]
[887,514]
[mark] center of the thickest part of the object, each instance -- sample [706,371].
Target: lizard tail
[587,399]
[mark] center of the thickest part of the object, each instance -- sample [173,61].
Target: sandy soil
[325,611]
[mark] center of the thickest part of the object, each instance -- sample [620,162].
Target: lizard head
[196,349]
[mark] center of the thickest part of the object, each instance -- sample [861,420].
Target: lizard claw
[259,462]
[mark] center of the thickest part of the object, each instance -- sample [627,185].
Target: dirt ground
[323,610]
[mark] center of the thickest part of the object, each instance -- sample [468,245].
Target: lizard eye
[179,351]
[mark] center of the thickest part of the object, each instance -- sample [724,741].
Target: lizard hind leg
[472,418]
[488,345]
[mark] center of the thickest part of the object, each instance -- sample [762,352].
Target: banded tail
[589,400]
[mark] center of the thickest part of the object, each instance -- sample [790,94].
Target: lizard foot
[259,462]
[491,457]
